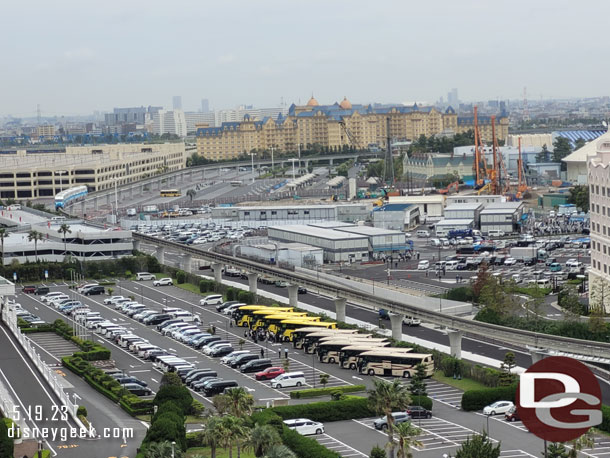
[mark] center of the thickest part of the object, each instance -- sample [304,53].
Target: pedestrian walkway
[337,446]
[53,344]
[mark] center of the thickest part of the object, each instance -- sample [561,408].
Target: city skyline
[388,53]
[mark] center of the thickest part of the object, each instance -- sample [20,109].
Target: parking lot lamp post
[173,447]
[39,449]
[489,435]
[313,367]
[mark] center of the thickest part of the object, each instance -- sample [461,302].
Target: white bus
[310,344]
[348,356]
[236,183]
[329,349]
[390,363]
[301,336]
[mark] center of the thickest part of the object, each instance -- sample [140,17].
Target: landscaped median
[330,391]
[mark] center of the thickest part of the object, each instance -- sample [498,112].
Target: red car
[269,373]
[29,289]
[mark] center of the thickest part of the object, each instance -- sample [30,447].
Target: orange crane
[499,176]
[479,154]
[453,185]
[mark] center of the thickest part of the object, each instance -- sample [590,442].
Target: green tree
[386,398]
[585,441]
[262,438]
[417,387]
[211,434]
[3,235]
[556,450]
[239,402]
[561,148]
[35,236]
[483,278]
[569,302]
[163,450]
[280,451]
[407,434]
[6,443]
[543,155]
[191,193]
[579,143]
[509,363]
[324,379]
[232,432]
[65,229]
[377,452]
[171,379]
[478,446]
[579,196]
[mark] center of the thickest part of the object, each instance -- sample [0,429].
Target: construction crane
[499,176]
[446,190]
[479,154]
[522,184]
[349,134]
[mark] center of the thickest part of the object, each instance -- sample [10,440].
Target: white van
[434,242]
[423,265]
[496,233]
[186,316]
[422,233]
[543,283]
[451,265]
[145,276]
[58,219]
[212,299]
[288,379]
[131,212]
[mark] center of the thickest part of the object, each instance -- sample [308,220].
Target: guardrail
[9,316]
[501,333]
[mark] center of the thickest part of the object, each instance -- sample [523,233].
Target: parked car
[163,282]
[512,415]
[42,290]
[255,365]
[418,412]
[137,389]
[305,426]
[125,380]
[288,379]
[144,276]
[498,407]
[94,290]
[399,417]
[510,261]
[269,373]
[212,299]
[218,387]
[423,265]
[28,289]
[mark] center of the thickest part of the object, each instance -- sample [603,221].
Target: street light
[173,446]
[39,449]
[252,158]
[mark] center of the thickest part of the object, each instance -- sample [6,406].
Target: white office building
[170,122]
[599,192]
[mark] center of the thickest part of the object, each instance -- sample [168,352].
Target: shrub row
[422,401]
[90,351]
[477,399]
[173,403]
[315,392]
[345,409]
[605,424]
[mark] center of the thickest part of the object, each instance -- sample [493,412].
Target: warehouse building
[506,220]
[296,213]
[289,254]
[474,198]
[443,227]
[396,217]
[430,207]
[466,211]
[338,246]
[380,240]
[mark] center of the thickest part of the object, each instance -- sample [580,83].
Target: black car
[42,290]
[243,359]
[205,381]
[190,381]
[208,340]
[124,380]
[418,412]
[302,290]
[224,305]
[223,350]
[218,387]
[94,290]
[136,389]
[158,319]
[256,365]
[530,261]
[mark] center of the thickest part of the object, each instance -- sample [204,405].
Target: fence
[9,408]
[9,316]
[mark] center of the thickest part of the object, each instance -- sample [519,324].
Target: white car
[305,426]
[225,359]
[50,296]
[212,299]
[163,282]
[510,261]
[112,300]
[573,263]
[423,265]
[498,407]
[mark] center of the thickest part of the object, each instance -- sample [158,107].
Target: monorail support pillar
[136,245]
[538,354]
[293,295]
[340,304]
[160,254]
[217,269]
[187,263]
[396,320]
[253,282]
[455,343]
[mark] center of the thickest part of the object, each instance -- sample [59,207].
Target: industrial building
[338,246]
[380,240]
[505,219]
[296,213]
[577,161]
[430,207]
[443,227]
[464,211]
[31,174]
[290,254]
[474,198]
[396,216]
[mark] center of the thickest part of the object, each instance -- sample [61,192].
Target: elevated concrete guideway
[455,325]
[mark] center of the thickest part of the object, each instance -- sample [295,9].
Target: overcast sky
[73,57]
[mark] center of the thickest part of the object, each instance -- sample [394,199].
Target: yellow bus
[348,356]
[276,323]
[329,349]
[299,335]
[170,193]
[291,326]
[243,316]
[265,318]
[312,340]
[391,363]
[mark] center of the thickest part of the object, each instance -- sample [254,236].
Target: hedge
[304,447]
[605,424]
[477,399]
[315,392]
[422,401]
[345,409]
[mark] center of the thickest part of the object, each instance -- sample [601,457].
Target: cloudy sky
[73,57]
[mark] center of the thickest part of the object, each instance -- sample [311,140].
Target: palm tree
[65,229]
[191,193]
[386,398]
[407,434]
[162,450]
[239,402]
[211,434]
[35,236]
[585,441]
[262,438]
[3,235]
[280,451]
[231,431]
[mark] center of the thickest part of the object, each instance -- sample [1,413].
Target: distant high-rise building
[170,122]
[205,106]
[452,98]
[177,102]
[137,115]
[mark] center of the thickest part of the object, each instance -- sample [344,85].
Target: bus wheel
[331,360]
[352,366]
[371,371]
[407,374]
